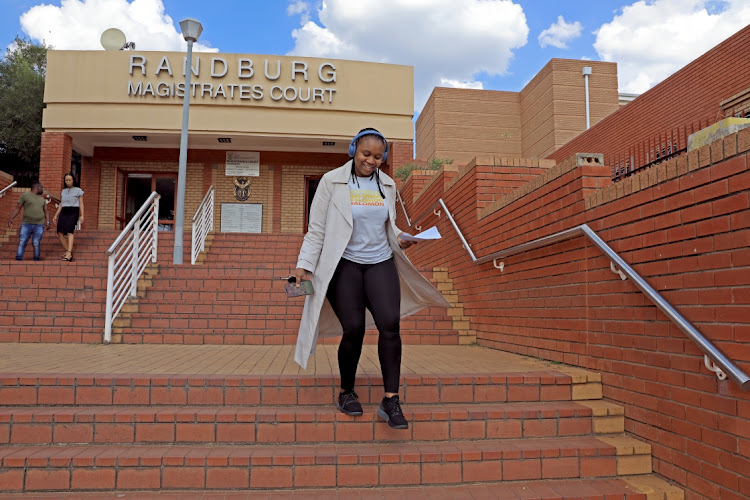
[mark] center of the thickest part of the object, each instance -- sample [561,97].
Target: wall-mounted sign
[224,78]
[242,164]
[241,217]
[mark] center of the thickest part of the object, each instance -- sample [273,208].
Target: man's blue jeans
[35,232]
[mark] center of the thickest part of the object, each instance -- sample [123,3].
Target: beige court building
[262,130]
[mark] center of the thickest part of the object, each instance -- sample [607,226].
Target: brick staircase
[56,301]
[244,419]
[236,297]
[532,431]
[52,300]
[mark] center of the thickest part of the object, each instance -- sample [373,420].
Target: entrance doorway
[140,185]
[311,185]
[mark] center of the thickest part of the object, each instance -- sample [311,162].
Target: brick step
[56,306]
[24,314]
[287,466]
[217,307]
[257,271]
[193,293]
[268,336]
[268,256]
[89,246]
[66,288]
[640,487]
[214,390]
[39,273]
[257,237]
[96,257]
[151,319]
[322,424]
[52,334]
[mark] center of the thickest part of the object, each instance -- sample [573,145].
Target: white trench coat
[329,230]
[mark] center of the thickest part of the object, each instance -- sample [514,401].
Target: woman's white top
[70,197]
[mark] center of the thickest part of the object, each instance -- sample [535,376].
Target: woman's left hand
[80,219]
[404,244]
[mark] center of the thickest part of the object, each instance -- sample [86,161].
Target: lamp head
[191,29]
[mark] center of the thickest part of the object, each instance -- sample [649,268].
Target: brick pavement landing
[261,360]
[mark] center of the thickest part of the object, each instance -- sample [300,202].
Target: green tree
[22,73]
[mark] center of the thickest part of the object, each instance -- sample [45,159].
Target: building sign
[242,164]
[222,78]
[241,217]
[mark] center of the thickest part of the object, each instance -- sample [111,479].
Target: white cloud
[445,40]
[300,8]
[444,82]
[560,33]
[78,24]
[651,40]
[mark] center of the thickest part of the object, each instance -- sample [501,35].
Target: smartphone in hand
[292,290]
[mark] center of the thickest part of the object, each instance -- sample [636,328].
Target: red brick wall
[57,152]
[685,227]
[683,103]
[399,154]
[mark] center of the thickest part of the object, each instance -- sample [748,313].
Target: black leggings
[376,287]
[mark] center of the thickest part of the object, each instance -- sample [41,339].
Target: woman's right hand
[302,274]
[54,219]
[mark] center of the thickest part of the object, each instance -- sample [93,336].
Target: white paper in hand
[429,234]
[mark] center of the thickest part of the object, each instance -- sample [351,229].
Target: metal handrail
[128,256]
[6,188]
[715,359]
[400,200]
[203,223]
[129,226]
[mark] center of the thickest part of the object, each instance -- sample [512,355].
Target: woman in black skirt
[70,213]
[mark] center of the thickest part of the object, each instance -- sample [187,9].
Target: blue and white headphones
[367,131]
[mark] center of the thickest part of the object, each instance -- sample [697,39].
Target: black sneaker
[390,411]
[349,404]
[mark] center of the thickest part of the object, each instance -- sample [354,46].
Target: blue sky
[490,44]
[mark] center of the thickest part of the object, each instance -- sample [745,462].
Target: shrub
[434,164]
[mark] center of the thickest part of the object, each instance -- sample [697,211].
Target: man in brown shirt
[34,217]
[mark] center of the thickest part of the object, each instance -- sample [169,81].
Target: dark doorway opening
[140,185]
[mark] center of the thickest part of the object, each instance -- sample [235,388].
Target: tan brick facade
[110,207]
[293,196]
[657,124]
[279,188]
[460,124]
[261,192]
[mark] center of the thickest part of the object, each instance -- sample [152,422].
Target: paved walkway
[255,360]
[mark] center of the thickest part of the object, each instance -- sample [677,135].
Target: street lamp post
[191,30]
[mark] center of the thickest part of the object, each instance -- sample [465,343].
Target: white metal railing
[203,223]
[131,252]
[714,358]
[7,188]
